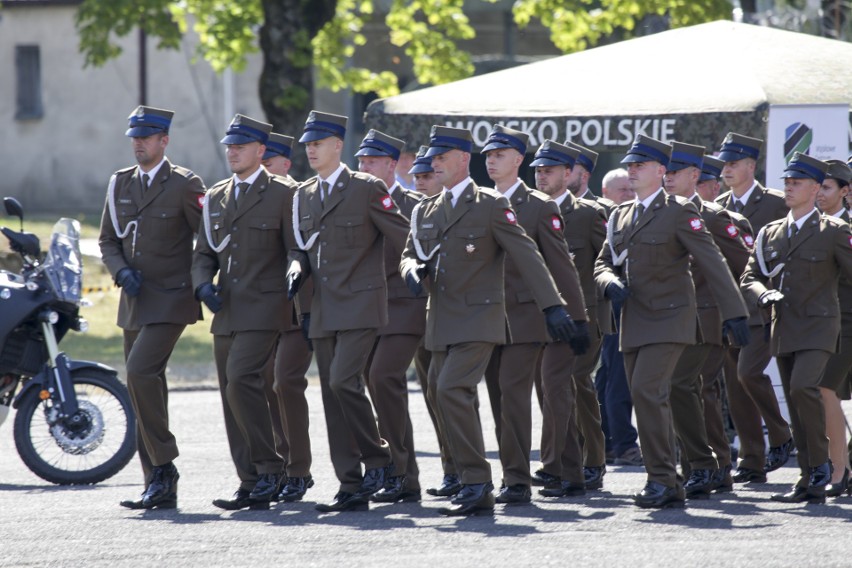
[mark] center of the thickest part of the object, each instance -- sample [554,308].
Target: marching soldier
[794,269]
[344,220]
[645,263]
[458,240]
[151,214]
[708,182]
[752,397]
[396,343]
[582,172]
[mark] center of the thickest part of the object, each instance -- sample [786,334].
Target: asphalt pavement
[46,525]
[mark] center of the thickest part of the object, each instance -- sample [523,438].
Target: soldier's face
[149,150]
[830,197]
[708,189]
[427,184]
[552,180]
[382,167]
[278,165]
[645,177]
[576,176]
[739,174]
[502,164]
[800,193]
[244,159]
[681,182]
[619,190]
[324,155]
[451,167]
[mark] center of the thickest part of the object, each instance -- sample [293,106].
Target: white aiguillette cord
[131,226]
[418,248]
[761,261]
[617,259]
[207,233]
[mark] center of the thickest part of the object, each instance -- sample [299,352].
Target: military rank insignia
[695,224]
[732,231]
[556,223]
[387,202]
[470,248]
[510,217]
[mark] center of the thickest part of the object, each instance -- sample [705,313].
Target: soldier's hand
[294,279]
[769,297]
[738,330]
[414,279]
[560,326]
[305,323]
[129,280]
[580,341]
[208,294]
[616,291]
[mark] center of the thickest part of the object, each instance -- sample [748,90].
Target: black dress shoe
[594,476]
[474,499]
[778,456]
[658,496]
[295,488]
[700,484]
[541,477]
[514,494]
[839,488]
[162,491]
[373,481]
[797,495]
[450,485]
[563,489]
[133,504]
[344,501]
[268,485]
[818,481]
[746,475]
[395,491]
[722,480]
[240,500]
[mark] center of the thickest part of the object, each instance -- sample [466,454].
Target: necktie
[145,179]
[639,210]
[325,191]
[738,206]
[242,187]
[794,230]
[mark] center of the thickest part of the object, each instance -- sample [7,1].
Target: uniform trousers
[711,393]
[800,373]
[386,379]
[453,376]
[422,360]
[588,407]
[561,453]
[688,407]
[353,436]
[649,372]
[240,360]
[146,353]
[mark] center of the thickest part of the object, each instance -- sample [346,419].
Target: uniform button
[138,254]
[323,243]
[786,305]
[445,238]
[235,279]
[236,262]
[235,245]
[487,300]
[442,288]
[322,226]
[443,271]
[325,278]
[443,254]
[324,261]
[786,273]
[162,214]
[234,229]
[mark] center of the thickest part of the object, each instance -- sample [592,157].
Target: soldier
[835,382]
[688,412]
[511,372]
[708,182]
[396,343]
[584,229]
[582,172]
[345,219]
[616,187]
[425,181]
[752,397]
[245,242]
[459,239]
[151,214]
[286,371]
[794,269]
[645,262]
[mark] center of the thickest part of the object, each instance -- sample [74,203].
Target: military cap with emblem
[711,168]
[647,149]
[145,121]
[552,153]
[685,156]
[278,145]
[737,147]
[443,139]
[839,171]
[587,158]
[244,130]
[321,125]
[377,143]
[422,163]
[503,137]
[802,166]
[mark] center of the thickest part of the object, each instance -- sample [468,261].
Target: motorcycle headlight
[50,317]
[81,325]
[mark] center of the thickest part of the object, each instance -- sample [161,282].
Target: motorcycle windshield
[63,264]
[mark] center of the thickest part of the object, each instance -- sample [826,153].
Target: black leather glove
[129,280]
[305,322]
[617,291]
[581,341]
[769,297]
[414,279]
[294,280]
[560,326]
[209,294]
[738,330]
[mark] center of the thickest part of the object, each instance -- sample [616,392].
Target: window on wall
[28,70]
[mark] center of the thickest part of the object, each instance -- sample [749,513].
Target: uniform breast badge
[470,248]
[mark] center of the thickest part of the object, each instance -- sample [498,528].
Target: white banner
[821,131]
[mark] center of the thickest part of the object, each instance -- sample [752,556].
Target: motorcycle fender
[37,381]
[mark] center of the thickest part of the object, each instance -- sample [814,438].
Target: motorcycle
[74,422]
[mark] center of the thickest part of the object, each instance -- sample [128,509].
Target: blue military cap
[685,156]
[839,171]
[587,158]
[711,169]
[278,145]
[377,143]
[552,153]
[320,125]
[244,130]
[802,166]
[442,139]
[502,137]
[647,149]
[145,121]
[422,163]
[736,147]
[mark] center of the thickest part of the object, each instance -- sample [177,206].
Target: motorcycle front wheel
[95,448]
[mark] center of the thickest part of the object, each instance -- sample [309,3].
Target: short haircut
[613,175]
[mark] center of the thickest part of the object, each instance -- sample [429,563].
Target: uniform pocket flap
[479,297]
[264,223]
[427,234]
[306,224]
[668,303]
[654,238]
[574,244]
[177,282]
[366,284]
[348,221]
[524,296]
[814,255]
[471,232]
[165,212]
[817,310]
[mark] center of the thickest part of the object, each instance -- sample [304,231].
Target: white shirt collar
[585,193]
[332,179]
[249,180]
[746,195]
[839,212]
[394,187]
[561,199]
[152,173]
[801,222]
[650,199]
[511,191]
[457,189]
